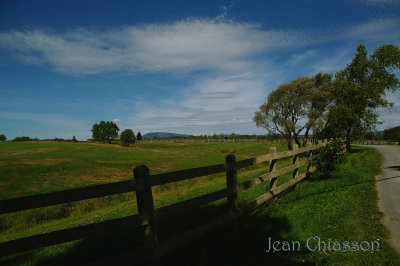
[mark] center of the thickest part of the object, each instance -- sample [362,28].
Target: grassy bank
[341,207]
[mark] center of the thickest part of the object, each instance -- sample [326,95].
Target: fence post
[273,166]
[231,182]
[295,160]
[145,205]
[309,158]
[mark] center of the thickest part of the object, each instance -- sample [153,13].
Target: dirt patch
[47,161]
[33,151]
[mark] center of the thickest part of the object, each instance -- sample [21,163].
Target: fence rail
[147,215]
[369,142]
[211,140]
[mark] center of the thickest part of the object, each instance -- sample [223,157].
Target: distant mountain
[151,135]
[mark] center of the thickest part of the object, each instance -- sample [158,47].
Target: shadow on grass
[240,242]
[356,150]
[397,167]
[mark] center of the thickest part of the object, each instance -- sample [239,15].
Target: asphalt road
[388,185]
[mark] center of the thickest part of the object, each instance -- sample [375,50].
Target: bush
[326,159]
[127,137]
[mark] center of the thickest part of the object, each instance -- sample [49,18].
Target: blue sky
[192,67]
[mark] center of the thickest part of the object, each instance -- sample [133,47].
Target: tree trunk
[296,139]
[306,137]
[348,140]
[289,144]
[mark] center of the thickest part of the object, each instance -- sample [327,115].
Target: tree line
[107,131]
[333,106]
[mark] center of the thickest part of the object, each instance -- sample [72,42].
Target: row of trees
[333,108]
[107,131]
[392,133]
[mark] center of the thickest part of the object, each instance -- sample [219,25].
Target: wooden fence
[369,142]
[210,140]
[147,216]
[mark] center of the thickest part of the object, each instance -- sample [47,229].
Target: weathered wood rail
[147,216]
[369,142]
[217,140]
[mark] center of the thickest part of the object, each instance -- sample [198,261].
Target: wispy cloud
[181,46]
[384,29]
[375,3]
[297,58]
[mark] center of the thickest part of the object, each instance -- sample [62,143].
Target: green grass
[341,207]
[32,168]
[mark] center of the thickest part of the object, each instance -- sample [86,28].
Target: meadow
[340,207]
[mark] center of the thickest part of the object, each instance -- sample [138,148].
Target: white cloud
[218,104]
[297,58]
[181,46]
[116,120]
[379,30]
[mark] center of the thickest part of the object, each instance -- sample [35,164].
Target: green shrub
[326,159]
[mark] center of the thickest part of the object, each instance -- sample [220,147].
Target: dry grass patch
[98,175]
[49,161]
[37,150]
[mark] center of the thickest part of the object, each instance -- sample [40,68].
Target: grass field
[342,207]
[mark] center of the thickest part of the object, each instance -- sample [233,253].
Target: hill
[162,135]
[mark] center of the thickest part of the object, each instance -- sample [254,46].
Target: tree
[296,106]
[318,98]
[392,133]
[127,137]
[73,139]
[3,137]
[105,131]
[139,136]
[360,89]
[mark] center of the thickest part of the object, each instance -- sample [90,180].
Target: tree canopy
[295,106]
[360,89]
[139,136]
[342,107]
[127,137]
[105,131]
[3,137]
[392,133]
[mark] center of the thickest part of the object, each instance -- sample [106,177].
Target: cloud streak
[386,29]
[185,45]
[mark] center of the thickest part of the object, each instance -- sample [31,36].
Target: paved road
[389,189]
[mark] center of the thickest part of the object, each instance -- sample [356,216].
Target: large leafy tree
[318,97]
[105,131]
[360,89]
[127,137]
[3,137]
[295,106]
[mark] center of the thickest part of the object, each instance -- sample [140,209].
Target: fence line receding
[147,216]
